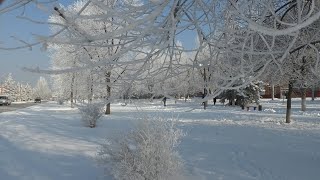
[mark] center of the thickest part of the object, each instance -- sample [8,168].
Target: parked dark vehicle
[37,100]
[5,100]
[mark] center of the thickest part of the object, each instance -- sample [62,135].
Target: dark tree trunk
[272,91]
[72,89]
[289,95]
[303,89]
[312,92]
[75,96]
[205,103]
[71,99]
[108,108]
[233,100]
[205,91]
[303,99]
[91,92]
[108,73]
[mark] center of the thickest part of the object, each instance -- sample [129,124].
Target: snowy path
[237,152]
[44,143]
[48,142]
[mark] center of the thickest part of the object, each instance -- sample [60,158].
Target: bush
[60,101]
[146,153]
[90,114]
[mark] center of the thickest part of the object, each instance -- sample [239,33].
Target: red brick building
[279,91]
[2,90]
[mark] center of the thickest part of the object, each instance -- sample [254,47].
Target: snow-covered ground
[48,142]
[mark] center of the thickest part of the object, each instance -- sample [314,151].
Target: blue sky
[13,61]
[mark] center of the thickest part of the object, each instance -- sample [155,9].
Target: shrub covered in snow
[146,153]
[90,114]
[60,101]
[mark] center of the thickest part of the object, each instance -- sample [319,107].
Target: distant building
[280,92]
[3,90]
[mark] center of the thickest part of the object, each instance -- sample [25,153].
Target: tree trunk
[72,89]
[205,91]
[303,89]
[91,95]
[90,88]
[312,92]
[108,108]
[233,98]
[75,95]
[289,95]
[71,99]
[303,99]
[205,103]
[272,91]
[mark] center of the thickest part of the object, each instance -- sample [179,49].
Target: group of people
[165,101]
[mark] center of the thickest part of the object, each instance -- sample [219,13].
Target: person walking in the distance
[214,101]
[164,101]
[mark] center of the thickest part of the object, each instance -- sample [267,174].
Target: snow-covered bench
[254,106]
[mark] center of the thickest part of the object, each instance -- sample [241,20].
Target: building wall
[268,92]
[279,91]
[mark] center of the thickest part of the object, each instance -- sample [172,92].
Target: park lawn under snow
[48,142]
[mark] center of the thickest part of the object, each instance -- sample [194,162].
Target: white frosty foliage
[146,153]
[16,90]
[91,113]
[42,89]
[121,45]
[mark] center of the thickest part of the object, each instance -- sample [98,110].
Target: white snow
[48,142]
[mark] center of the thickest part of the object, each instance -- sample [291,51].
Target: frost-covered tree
[264,34]
[125,71]
[299,64]
[250,94]
[26,92]
[42,89]
[71,85]
[9,86]
[16,90]
[19,91]
[191,83]
[100,78]
[242,39]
